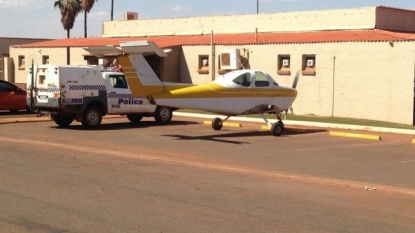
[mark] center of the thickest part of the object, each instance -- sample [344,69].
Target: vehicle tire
[277,128]
[163,115]
[92,117]
[134,118]
[63,121]
[217,123]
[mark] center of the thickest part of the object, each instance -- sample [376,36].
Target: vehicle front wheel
[163,115]
[277,128]
[92,117]
[217,123]
[134,118]
[63,121]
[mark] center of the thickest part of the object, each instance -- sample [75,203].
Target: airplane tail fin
[141,78]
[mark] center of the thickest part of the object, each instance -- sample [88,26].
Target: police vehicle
[86,94]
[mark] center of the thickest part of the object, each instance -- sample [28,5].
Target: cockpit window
[261,80]
[243,80]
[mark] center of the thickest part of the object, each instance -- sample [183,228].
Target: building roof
[374,35]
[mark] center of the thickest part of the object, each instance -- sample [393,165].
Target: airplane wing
[100,51]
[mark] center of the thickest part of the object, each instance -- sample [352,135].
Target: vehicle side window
[6,87]
[118,81]
[243,80]
[261,80]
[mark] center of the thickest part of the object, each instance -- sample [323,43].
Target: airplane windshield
[273,81]
[243,80]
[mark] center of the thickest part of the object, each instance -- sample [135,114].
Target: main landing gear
[217,123]
[276,128]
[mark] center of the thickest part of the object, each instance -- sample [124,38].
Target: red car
[12,97]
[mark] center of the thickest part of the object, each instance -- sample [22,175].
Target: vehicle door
[241,87]
[6,96]
[44,88]
[119,96]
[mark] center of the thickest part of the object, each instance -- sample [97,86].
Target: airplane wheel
[277,128]
[217,123]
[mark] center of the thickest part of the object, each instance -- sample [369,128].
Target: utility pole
[112,9]
[257,6]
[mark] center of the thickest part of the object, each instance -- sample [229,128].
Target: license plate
[43,97]
[72,101]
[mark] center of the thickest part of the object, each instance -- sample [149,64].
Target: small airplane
[238,92]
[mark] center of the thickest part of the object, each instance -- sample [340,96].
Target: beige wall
[337,19]
[170,71]
[371,80]
[359,18]
[5,43]
[57,56]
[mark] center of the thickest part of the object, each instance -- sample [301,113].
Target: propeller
[296,79]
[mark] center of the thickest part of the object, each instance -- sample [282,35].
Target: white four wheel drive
[86,94]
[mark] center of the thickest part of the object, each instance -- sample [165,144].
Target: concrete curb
[355,135]
[306,123]
[245,119]
[37,119]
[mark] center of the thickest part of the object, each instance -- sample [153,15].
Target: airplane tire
[92,117]
[217,123]
[277,128]
[163,115]
[63,121]
[134,118]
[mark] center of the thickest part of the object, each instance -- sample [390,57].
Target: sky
[39,19]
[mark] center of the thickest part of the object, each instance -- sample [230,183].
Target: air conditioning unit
[310,63]
[230,59]
[130,15]
[285,62]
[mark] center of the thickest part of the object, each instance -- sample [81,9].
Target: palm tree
[69,10]
[87,6]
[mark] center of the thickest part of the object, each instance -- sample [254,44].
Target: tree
[86,7]
[69,10]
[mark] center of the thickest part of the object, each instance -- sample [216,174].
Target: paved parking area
[185,177]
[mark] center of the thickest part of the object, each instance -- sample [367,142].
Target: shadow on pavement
[125,125]
[222,137]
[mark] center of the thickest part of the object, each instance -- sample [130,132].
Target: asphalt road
[185,177]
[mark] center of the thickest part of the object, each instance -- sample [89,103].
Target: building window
[284,64]
[22,63]
[203,64]
[309,65]
[45,60]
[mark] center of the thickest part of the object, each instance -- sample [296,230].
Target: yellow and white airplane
[238,92]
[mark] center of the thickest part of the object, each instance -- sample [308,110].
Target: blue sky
[38,18]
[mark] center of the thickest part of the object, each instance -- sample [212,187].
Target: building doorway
[155,63]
